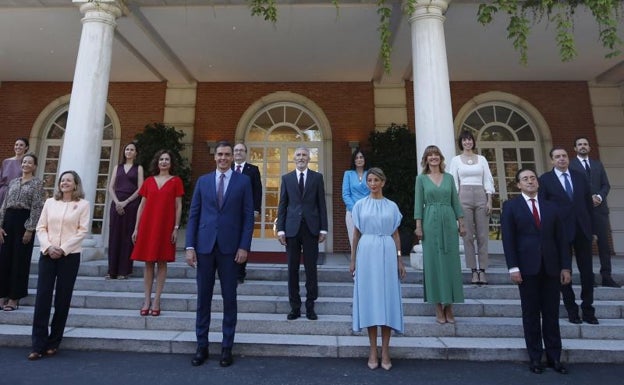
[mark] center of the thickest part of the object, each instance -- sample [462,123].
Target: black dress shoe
[200,356]
[294,314]
[226,357]
[241,280]
[609,282]
[558,367]
[590,319]
[574,319]
[311,315]
[536,367]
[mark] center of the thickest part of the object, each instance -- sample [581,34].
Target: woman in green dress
[438,215]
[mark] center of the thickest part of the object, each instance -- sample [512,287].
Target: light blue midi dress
[377,288]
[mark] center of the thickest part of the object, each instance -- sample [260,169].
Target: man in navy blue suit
[595,173]
[241,166]
[302,225]
[218,238]
[539,262]
[569,190]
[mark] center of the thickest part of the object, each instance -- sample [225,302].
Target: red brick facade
[349,108]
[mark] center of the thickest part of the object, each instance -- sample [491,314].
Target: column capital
[109,8]
[427,9]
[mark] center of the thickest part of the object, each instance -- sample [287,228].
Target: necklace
[469,161]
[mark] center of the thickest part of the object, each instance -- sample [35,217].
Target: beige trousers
[476,221]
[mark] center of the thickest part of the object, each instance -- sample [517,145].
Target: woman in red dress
[157,224]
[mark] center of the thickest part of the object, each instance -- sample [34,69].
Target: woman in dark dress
[125,182]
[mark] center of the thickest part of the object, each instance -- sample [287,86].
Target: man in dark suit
[240,165]
[569,190]
[539,262]
[302,225]
[218,238]
[599,184]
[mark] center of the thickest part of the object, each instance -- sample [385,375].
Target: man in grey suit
[599,184]
[302,225]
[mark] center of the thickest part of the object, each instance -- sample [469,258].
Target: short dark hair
[355,152]
[24,140]
[580,137]
[154,170]
[33,156]
[225,143]
[556,148]
[466,135]
[523,169]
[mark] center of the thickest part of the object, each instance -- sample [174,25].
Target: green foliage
[394,151]
[159,136]
[561,12]
[385,12]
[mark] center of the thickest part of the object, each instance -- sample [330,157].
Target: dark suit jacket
[573,212]
[293,208]
[253,172]
[599,183]
[231,226]
[528,247]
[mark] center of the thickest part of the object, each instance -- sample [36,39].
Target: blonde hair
[78,192]
[431,150]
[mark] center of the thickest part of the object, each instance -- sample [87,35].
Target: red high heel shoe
[145,312]
[155,312]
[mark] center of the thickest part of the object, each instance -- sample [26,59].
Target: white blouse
[477,174]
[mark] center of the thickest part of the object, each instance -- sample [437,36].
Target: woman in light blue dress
[377,268]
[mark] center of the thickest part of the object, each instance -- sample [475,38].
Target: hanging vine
[523,13]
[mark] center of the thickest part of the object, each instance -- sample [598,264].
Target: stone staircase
[105,316]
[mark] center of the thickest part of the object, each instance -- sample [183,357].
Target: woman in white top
[475,184]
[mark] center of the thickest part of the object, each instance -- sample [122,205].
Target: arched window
[272,135]
[507,137]
[50,154]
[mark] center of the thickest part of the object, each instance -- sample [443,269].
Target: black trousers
[601,229]
[539,297]
[583,255]
[15,256]
[61,273]
[308,242]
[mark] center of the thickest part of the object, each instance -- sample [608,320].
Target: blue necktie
[568,185]
[301,183]
[220,189]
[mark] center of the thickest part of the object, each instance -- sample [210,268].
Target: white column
[87,106]
[432,94]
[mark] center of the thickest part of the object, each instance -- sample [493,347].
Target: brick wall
[136,104]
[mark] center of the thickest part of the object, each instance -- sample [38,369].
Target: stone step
[324,305]
[331,325]
[326,273]
[257,344]
[326,289]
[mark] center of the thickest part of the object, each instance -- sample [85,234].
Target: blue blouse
[353,189]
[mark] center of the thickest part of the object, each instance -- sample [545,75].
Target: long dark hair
[154,170]
[355,153]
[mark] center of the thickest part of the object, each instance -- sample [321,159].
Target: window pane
[525,134]
[527,154]
[284,134]
[497,134]
[474,121]
[264,121]
[53,152]
[487,114]
[256,134]
[516,121]
[502,114]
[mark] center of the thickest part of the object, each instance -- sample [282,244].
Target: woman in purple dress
[125,182]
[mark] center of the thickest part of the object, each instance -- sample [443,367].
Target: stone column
[87,106]
[432,94]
